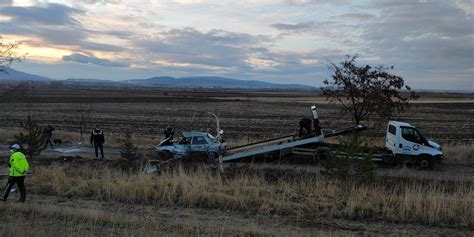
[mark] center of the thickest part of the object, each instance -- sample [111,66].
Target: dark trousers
[97,146]
[20,183]
[49,140]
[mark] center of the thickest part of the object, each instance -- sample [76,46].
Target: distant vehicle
[192,143]
[407,145]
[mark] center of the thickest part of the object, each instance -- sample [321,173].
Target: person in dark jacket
[98,140]
[169,133]
[49,135]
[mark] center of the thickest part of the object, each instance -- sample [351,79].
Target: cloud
[99,1]
[355,16]
[294,27]
[54,24]
[48,14]
[267,39]
[318,2]
[85,59]
[422,39]
[213,48]
[6,2]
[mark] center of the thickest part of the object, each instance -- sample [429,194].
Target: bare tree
[84,117]
[364,91]
[8,55]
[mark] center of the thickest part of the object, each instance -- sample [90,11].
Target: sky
[430,43]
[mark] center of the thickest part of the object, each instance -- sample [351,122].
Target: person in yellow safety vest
[17,171]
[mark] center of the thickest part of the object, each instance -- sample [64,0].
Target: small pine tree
[34,138]
[128,150]
[347,163]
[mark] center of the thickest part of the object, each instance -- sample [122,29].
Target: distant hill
[14,75]
[162,81]
[212,82]
[83,80]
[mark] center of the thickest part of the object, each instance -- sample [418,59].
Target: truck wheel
[425,163]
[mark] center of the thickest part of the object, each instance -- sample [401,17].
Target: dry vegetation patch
[306,197]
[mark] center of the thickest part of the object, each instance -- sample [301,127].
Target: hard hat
[15,147]
[313,107]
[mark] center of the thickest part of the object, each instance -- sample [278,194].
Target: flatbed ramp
[285,142]
[268,146]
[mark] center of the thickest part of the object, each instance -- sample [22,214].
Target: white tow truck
[403,144]
[407,145]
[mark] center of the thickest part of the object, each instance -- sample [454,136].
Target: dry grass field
[73,194]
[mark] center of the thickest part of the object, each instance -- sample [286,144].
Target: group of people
[18,164]
[97,139]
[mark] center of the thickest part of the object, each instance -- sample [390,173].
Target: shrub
[349,162]
[128,150]
[34,138]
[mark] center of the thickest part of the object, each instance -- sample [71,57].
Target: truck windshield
[412,135]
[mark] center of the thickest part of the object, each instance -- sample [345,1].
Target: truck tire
[425,163]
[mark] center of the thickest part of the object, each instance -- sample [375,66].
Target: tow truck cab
[407,145]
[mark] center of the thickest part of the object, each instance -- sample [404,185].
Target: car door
[199,144]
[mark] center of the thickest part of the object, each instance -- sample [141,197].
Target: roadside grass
[305,197]
[459,154]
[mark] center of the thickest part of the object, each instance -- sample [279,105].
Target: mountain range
[162,81]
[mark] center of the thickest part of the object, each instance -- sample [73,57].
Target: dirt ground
[166,220]
[244,116]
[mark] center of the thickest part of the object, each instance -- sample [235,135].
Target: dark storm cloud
[214,48]
[49,14]
[53,23]
[85,59]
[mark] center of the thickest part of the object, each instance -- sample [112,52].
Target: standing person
[169,133]
[49,135]
[17,171]
[97,140]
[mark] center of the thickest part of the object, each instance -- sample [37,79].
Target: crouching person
[17,171]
